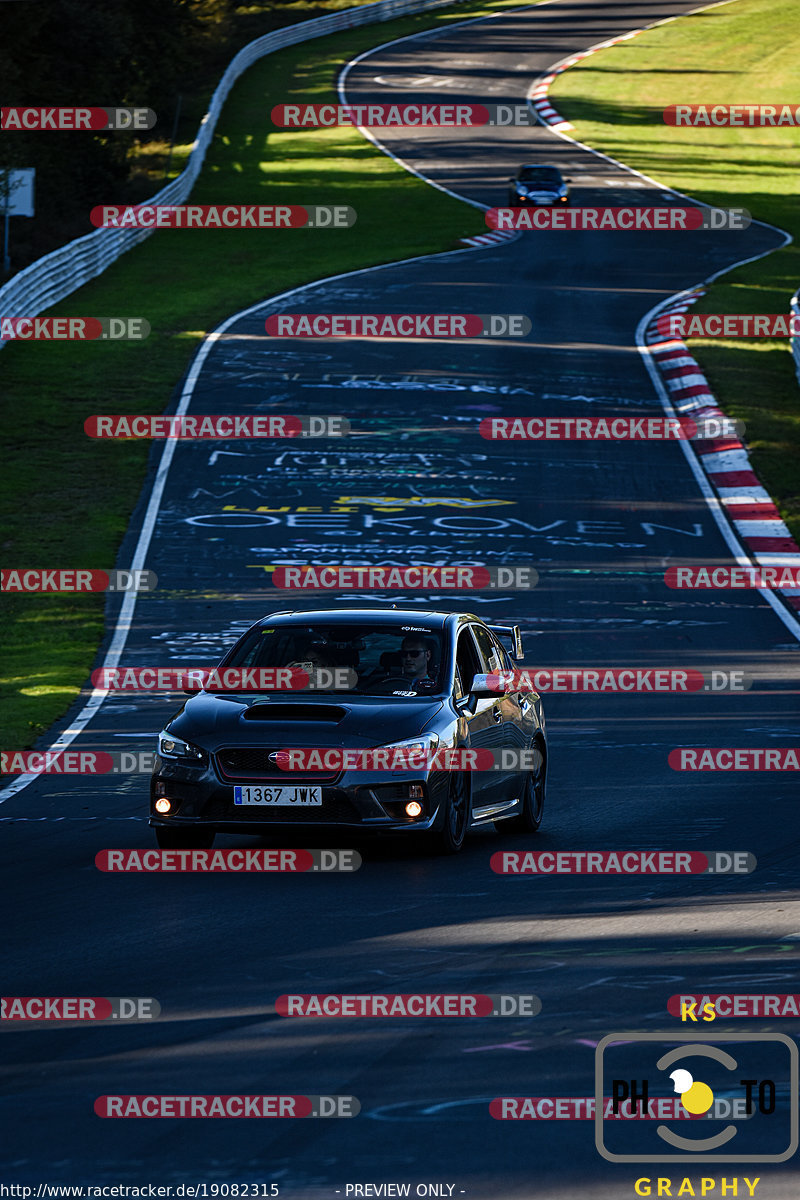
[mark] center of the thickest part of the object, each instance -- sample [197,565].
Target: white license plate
[300,797]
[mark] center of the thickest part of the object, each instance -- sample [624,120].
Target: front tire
[184,839]
[530,819]
[451,837]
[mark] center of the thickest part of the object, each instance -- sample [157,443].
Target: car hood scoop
[328,714]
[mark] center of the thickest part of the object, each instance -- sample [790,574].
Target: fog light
[413,808]
[163,805]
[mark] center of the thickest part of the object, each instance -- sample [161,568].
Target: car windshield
[389,660]
[540,175]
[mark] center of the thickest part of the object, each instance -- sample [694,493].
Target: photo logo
[745,1096]
[696,1098]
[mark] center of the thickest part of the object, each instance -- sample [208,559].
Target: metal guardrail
[795,341]
[57,274]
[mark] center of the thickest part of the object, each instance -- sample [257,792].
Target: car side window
[491,659]
[467,662]
[503,655]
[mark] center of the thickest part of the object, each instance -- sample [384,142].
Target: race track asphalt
[415,482]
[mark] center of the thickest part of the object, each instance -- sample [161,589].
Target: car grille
[240,763]
[335,810]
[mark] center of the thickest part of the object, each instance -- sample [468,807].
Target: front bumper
[553,202]
[356,801]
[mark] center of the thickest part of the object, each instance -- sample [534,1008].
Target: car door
[505,710]
[484,723]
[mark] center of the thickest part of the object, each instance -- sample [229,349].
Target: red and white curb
[538,94]
[725,461]
[748,507]
[489,239]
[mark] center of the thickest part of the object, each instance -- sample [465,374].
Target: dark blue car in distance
[536,185]
[417,682]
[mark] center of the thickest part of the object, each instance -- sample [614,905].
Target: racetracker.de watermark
[74,119]
[73,579]
[607,429]
[728,1004]
[220,427]
[617,219]
[77,762]
[73,329]
[395,1004]
[269,862]
[227,1106]
[225,679]
[223,216]
[735,758]
[406,758]
[729,325]
[623,862]
[723,115]
[398,325]
[400,116]
[79,1008]
[767,578]
[660,680]
[466,578]
[582,1108]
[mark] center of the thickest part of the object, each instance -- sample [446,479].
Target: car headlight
[422,748]
[170,746]
[424,742]
[562,191]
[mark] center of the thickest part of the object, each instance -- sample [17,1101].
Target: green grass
[745,52]
[67,500]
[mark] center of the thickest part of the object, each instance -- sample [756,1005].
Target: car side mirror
[481,688]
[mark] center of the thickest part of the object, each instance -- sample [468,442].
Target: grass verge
[745,52]
[66,500]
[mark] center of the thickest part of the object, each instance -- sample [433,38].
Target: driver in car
[415,657]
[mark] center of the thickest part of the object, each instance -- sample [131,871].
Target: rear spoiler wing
[511,637]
